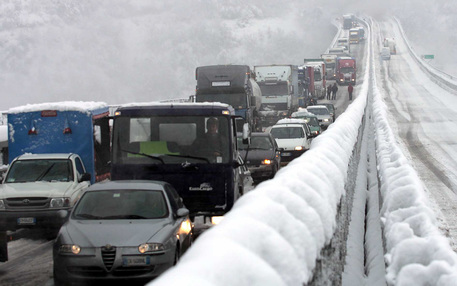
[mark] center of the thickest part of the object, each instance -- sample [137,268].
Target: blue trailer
[63,127]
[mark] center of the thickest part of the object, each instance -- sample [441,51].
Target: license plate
[26,220]
[286,154]
[136,261]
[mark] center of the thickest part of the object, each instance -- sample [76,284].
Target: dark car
[122,230]
[331,108]
[262,156]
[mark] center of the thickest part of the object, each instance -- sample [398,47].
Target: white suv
[292,139]
[37,186]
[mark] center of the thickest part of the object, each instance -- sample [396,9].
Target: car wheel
[275,169]
[176,255]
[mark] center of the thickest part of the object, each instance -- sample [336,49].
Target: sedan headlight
[265,162]
[59,203]
[150,247]
[70,248]
[2,205]
[298,148]
[326,120]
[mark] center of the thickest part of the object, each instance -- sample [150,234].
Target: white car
[322,113]
[292,140]
[37,186]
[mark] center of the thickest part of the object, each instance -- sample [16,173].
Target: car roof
[30,156]
[317,106]
[290,120]
[128,184]
[287,125]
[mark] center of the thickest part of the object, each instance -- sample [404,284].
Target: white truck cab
[37,186]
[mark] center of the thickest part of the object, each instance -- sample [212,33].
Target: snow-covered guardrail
[441,78]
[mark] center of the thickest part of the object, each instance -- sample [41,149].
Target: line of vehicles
[124,193]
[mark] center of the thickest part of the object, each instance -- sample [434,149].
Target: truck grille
[108,256]
[27,203]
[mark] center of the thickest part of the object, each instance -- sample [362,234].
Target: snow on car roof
[60,106]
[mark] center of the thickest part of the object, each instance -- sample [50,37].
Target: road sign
[428,57]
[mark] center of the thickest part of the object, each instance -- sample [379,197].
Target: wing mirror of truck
[85,177]
[246,134]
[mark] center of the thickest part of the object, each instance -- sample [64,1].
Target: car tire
[177,255]
[275,170]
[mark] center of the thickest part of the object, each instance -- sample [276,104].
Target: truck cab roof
[203,108]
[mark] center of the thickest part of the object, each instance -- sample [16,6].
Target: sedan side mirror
[182,212]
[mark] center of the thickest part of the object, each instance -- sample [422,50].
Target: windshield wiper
[41,176]
[145,155]
[188,156]
[125,217]
[89,216]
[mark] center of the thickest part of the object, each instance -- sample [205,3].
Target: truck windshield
[55,170]
[347,70]
[273,106]
[171,140]
[317,75]
[237,100]
[274,89]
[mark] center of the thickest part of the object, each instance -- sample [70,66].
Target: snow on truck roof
[83,106]
[183,104]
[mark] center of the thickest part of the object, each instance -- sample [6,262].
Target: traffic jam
[122,192]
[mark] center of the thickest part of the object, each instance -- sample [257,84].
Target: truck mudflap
[3,246]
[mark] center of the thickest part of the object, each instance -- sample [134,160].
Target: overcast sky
[140,50]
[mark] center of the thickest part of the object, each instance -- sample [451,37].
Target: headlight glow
[70,248]
[298,148]
[150,247]
[266,162]
[186,227]
[326,120]
[216,219]
[59,202]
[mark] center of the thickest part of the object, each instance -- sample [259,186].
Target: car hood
[97,233]
[35,189]
[257,155]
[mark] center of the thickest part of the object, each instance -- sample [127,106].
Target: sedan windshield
[319,111]
[121,204]
[287,132]
[23,171]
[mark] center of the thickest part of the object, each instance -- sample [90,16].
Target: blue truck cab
[63,127]
[172,143]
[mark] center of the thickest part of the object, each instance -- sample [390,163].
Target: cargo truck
[346,70]
[233,85]
[280,95]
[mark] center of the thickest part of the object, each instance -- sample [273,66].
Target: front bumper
[287,156]
[97,267]
[50,219]
[261,172]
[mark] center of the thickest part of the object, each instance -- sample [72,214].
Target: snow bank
[275,233]
[416,252]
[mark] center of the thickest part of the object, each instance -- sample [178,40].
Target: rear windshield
[287,132]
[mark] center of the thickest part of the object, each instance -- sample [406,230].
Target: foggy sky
[142,50]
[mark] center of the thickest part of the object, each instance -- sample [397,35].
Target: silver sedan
[118,230]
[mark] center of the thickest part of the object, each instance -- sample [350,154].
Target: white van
[292,139]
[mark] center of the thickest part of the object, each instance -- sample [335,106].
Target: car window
[175,200]
[121,204]
[262,143]
[79,166]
